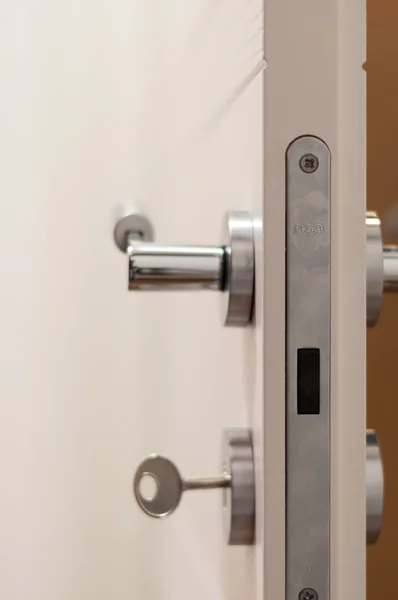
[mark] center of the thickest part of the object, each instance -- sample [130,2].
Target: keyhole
[148,487]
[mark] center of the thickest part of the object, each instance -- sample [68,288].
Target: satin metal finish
[237,301]
[374,268]
[228,268]
[131,223]
[390,268]
[374,487]
[308,325]
[239,498]
[169,485]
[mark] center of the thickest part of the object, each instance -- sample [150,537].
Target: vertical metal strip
[308,314]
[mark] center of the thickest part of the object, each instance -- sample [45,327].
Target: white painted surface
[101,103]
[105,102]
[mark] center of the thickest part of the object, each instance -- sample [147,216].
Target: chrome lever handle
[227,268]
[390,268]
[154,267]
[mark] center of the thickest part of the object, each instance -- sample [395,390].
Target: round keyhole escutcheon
[239,498]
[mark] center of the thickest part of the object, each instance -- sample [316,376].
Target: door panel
[102,104]
[170,107]
[382,95]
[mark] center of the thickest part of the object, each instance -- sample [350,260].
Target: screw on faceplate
[308,594]
[309,163]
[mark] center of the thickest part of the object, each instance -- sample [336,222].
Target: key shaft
[207,483]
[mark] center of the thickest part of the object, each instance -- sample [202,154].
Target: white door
[186,109]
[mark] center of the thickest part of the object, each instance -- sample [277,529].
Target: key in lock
[169,484]
[237,481]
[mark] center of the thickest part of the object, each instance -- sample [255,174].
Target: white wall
[103,102]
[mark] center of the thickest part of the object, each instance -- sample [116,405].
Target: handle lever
[227,268]
[154,267]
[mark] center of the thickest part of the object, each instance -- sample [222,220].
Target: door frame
[314,84]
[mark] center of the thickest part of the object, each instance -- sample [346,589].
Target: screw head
[308,594]
[309,163]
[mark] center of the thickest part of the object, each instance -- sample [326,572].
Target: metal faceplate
[308,311]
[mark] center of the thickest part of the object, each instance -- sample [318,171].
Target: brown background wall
[382,83]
